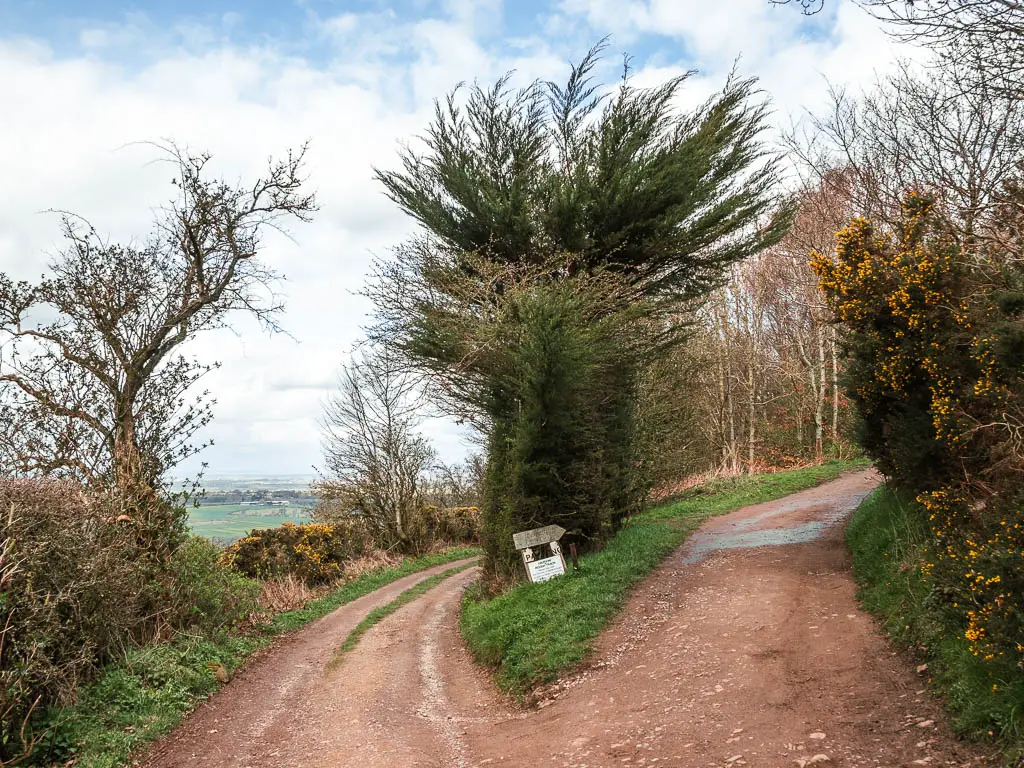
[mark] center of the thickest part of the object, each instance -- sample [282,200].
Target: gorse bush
[890,539]
[315,552]
[934,333]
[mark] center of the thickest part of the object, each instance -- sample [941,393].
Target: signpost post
[547,567]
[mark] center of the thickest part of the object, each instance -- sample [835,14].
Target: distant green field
[226,523]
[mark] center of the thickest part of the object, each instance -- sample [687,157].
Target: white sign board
[537,536]
[547,568]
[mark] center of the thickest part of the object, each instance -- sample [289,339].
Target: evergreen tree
[614,194]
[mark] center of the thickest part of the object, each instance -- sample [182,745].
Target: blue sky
[82,83]
[297,26]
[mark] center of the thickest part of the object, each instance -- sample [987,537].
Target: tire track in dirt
[247,721]
[745,648]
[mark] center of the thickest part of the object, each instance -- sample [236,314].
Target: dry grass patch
[286,593]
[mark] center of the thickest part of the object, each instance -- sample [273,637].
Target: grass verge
[534,633]
[377,614]
[152,688]
[887,537]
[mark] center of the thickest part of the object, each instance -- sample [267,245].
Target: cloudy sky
[83,86]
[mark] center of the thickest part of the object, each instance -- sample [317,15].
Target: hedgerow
[79,585]
[934,340]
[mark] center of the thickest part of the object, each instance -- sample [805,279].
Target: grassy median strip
[887,537]
[364,585]
[150,690]
[377,614]
[534,633]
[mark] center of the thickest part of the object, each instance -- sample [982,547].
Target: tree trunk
[835,384]
[733,452]
[819,410]
[751,415]
[722,406]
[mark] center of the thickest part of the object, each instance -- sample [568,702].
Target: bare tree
[991,32]
[988,32]
[458,484]
[929,130]
[376,459]
[92,383]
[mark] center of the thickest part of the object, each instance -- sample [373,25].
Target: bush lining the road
[150,689]
[888,537]
[313,552]
[79,583]
[534,633]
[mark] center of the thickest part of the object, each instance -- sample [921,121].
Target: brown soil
[746,648]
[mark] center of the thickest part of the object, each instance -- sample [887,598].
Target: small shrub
[208,595]
[435,526]
[458,525]
[314,553]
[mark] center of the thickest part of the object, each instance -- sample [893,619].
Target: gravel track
[745,648]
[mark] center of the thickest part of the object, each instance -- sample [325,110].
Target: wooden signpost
[546,567]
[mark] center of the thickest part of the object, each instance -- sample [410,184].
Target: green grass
[152,688]
[229,522]
[536,632]
[887,538]
[364,585]
[377,614]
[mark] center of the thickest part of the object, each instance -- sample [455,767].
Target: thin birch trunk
[835,384]
[819,411]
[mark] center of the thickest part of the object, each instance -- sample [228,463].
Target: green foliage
[142,696]
[209,596]
[890,540]
[616,178]
[313,552]
[535,632]
[561,447]
[549,215]
[936,378]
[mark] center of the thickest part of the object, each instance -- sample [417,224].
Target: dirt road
[746,648]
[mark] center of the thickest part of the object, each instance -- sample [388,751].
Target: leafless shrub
[368,563]
[286,593]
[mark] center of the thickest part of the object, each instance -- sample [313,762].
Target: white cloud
[792,55]
[71,126]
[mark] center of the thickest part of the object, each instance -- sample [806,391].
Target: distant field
[226,523]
